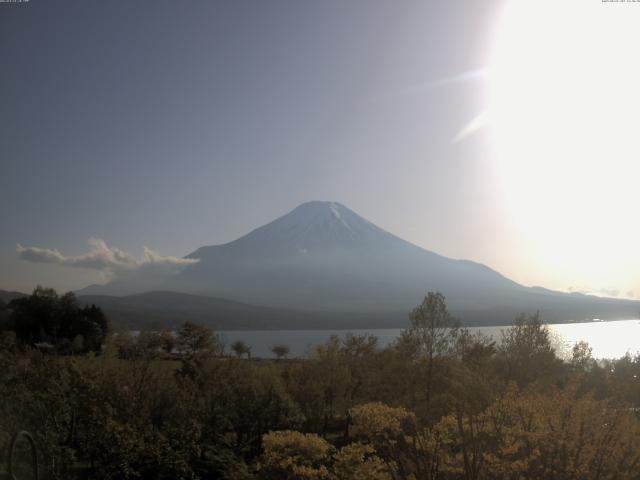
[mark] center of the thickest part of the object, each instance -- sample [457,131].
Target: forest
[438,403]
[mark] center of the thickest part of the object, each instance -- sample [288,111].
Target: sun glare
[564,117]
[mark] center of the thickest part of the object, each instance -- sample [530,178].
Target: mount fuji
[324,258]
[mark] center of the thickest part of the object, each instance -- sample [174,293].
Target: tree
[167,341]
[7,340]
[290,455]
[408,451]
[434,331]
[557,434]
[526,351]
[58,320]
[4,315]
[321,385]
[125,345]
[474,350]
[148,344]
[240,348]
[77,344]
[194,338]
[379,423]
[7,335]
[280,350]
[358,461]
[94,327]
[582,358]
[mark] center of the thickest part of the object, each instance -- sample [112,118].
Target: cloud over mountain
[111,261]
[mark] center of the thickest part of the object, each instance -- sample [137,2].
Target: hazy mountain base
[157,310]
[167,310]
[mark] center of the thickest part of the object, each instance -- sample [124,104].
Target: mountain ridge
[6,295]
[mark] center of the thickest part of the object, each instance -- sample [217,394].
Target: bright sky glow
[564,89]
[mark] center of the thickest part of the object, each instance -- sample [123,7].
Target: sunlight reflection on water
[608,339]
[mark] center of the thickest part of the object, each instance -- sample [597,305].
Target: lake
[608,339]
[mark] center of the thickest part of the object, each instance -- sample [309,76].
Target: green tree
[58,320]
[321,384]
[434,331]
[582,357]
[526,352]
[194,338]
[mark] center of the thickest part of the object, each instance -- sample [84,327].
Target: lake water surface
[608,339]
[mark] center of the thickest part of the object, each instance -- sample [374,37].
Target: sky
[132,133]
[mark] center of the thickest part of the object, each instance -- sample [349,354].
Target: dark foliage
[46,318]
[439,403]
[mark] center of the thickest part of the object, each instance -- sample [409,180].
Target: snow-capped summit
[311,227]
[324,255]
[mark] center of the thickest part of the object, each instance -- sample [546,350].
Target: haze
[499,132]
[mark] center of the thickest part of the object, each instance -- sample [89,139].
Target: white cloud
[108,260]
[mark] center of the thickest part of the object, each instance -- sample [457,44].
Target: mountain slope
[323,257]
[7,296]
